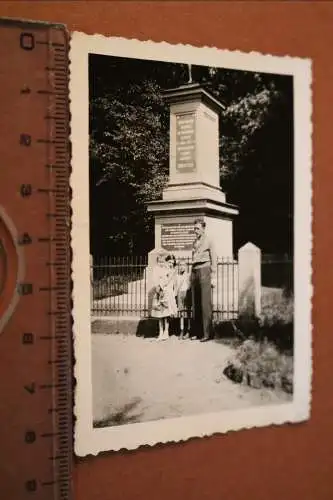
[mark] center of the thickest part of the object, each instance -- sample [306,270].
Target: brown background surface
[289,462]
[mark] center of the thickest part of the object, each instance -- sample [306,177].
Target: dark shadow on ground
[148,327]
[232,332]
[121,416]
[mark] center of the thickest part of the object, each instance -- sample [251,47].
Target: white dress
[164,301]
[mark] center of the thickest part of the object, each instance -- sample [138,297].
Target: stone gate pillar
[249,280]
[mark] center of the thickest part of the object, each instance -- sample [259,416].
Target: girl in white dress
[164,302]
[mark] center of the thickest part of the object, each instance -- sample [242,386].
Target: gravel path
[137,379]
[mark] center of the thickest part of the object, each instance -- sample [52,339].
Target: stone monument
[193,190]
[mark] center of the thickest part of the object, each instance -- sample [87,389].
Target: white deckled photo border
[93,441]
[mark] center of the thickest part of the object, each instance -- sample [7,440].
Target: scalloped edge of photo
[92,441]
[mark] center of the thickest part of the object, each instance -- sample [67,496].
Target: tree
[128,154]
[129,127]
[256,154]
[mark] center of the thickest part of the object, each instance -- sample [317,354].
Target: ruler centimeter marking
[44,149]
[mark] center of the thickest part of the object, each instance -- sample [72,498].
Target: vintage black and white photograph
[191,241]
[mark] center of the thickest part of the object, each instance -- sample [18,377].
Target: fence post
[249,280]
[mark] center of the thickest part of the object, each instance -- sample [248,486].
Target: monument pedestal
[174,225]
[194,189]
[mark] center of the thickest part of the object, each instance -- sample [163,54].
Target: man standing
[203,278]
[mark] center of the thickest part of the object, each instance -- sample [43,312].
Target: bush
[275,324]
[261,364]
[277,319]
[277,306]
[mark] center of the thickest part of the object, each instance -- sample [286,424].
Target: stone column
[249,280]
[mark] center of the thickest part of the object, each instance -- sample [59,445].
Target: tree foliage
[129,148]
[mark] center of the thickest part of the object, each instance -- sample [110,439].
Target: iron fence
[120,287]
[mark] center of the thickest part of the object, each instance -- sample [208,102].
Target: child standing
[164,303]
[183,299]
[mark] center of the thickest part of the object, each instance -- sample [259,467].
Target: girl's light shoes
[163,336]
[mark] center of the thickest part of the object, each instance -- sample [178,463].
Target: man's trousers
[201,302]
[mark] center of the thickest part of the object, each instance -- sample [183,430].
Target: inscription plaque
[185,142]
[177,236]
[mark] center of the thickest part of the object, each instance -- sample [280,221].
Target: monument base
[174,229]
[174,225]
[174,234]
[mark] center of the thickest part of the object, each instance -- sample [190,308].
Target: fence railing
[120,287]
